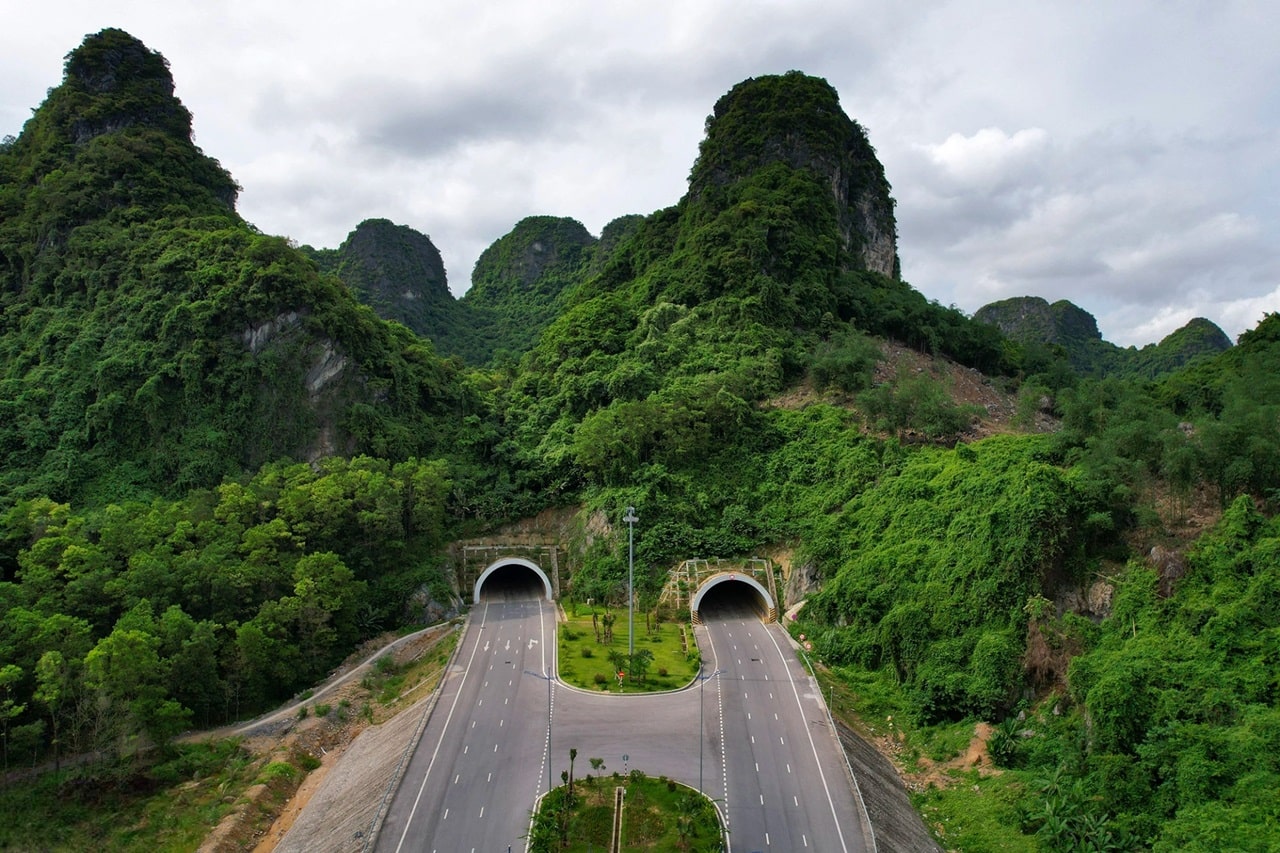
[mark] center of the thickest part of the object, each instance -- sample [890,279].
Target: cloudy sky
[1123,155]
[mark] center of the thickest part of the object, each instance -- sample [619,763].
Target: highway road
[786,786]
[488,752]
[481,762]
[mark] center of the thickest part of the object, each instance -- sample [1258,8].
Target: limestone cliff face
[398,272]
[539,257]
[119,83]
[796,120]
[1033,319]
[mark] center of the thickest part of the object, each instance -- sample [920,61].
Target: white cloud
[989,160]
[1244,314]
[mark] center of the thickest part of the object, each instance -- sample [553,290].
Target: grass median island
[592,653]
[657,814]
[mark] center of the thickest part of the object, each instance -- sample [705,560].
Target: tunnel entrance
[732,595]
[512,579]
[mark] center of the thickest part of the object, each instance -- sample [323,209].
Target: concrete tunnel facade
[770,606]
[512,561]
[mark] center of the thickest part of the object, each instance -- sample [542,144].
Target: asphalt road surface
[786,786]
[764,750]
[481,762]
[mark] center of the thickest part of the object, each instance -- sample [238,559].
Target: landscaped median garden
[647,814]
[594,651]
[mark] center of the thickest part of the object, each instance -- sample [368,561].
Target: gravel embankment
[898,827]
[340,814]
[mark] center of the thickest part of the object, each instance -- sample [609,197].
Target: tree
[640,662]
[573,754]
[618,660]
[10,709]
[325,592]
[126,673]
[52,683]
[687,810]
[28,738]
[194,680]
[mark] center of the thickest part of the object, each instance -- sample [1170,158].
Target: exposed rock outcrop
[797,120]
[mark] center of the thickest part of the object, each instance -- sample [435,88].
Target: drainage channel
[619,794]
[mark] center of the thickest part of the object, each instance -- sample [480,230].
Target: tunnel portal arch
[512,561]
[770,606]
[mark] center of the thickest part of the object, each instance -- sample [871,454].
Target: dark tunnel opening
[512,582]
[731,599]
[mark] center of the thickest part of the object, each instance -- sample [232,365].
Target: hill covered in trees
[221,470]
[1069,331]
[153,342]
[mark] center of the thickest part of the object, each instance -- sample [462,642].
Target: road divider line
[436,752]
[813,746]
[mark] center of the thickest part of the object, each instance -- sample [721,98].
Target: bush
[600,678]
[277,770]
[586,651]
[845,363]
[1003,744]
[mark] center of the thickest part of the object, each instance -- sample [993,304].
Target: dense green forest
[220,471]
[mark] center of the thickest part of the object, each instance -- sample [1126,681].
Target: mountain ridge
[1032,321]
[171,345]
[219,472]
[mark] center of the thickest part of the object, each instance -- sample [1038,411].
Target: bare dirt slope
[355,749]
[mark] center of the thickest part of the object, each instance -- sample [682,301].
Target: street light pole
[631,520]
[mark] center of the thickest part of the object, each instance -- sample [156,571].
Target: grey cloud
[423,126]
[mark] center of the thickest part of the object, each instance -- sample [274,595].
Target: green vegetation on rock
[1063,330]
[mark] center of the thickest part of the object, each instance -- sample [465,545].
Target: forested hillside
[219,471]
[1067,331]
[153,342]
